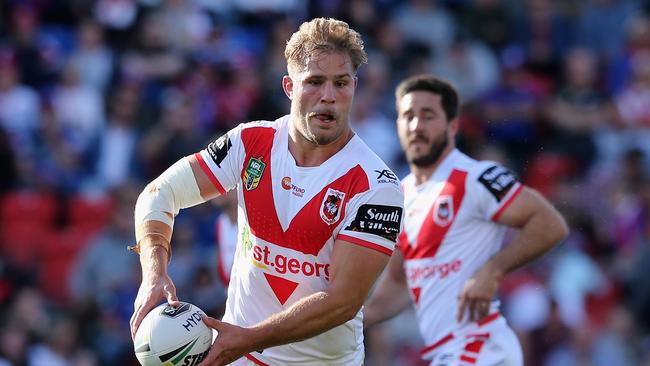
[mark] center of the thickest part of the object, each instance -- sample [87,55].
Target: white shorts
[495,344]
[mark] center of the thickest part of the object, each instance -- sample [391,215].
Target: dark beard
[437,147]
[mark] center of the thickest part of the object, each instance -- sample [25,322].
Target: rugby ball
[172,336]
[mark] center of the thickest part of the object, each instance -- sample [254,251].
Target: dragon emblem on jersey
[253,173]
[443,210]
[330,210]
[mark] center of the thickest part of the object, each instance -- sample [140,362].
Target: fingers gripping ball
[171,336]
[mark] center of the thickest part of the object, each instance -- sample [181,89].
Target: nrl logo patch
[330,210]
[443,210]
[253,173]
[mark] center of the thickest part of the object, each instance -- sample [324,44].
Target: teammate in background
[319,216]
[450,260]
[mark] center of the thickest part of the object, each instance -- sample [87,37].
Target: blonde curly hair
[324,34]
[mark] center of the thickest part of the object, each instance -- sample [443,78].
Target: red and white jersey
[226,234]
[289,217]
[449,233]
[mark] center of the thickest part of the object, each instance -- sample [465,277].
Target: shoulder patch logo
[330,210]
[443,210]
[219,149]
[381,220]
[498,181]
[253,173]
[386,176]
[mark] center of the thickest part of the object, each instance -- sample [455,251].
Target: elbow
[347,309]
[559,230]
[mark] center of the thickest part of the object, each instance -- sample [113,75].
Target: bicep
[206,187]
[527,203]
[354,269]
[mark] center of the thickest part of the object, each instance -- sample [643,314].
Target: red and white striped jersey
[288,219]
[449,233]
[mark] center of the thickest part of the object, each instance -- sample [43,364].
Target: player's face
[423,129]
[321,96]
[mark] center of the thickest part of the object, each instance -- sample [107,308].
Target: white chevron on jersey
[449,233]
[289,217]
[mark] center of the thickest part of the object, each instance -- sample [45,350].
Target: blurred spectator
[104,266]
[490,21]
[601,25]
[375,129]
[93,59]
[469,65]
[426,21]
[19,105]
[117,144]
[174,137]
[78,111]
[579,110]
[509,110]
[62,347]
[186,26]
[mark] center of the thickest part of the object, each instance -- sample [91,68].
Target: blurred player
[450,259]
[320,216]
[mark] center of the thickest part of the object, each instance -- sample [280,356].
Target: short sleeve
[222,159]
[374,219]
[496,189]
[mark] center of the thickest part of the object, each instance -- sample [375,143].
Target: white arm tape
[172,191]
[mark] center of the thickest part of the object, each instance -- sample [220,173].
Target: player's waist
[471,330]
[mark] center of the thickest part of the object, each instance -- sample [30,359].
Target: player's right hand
[152,289]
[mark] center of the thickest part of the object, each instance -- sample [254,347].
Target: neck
[423,173]
[308,154]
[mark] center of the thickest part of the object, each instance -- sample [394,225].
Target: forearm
[389,299]
[306,318]
[539,235]
[154,257]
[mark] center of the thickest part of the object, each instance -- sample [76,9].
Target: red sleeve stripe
[209,173]
[255,360]
[366,244]
[507,203]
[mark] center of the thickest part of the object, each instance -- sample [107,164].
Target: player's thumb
[211,322]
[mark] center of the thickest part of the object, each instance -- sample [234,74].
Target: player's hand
[477,294]
[152,289]
[230,345]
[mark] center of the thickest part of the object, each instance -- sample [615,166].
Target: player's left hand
[230,344]
[477,294]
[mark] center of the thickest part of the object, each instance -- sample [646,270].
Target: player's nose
[328,94]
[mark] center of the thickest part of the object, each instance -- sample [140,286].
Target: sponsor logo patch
[379,220]
[330,210]
[386,176]
[498,180]
[253,173]
[219,149]
[288,186]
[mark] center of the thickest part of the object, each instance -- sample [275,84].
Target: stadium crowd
[98,97]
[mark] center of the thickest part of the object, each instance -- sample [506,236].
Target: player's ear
[287,86]
[453,126]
